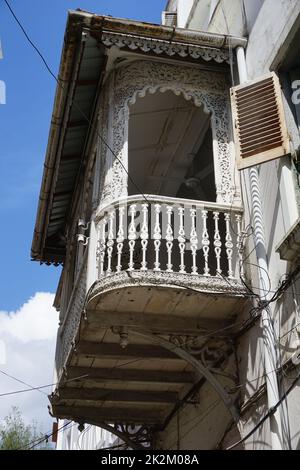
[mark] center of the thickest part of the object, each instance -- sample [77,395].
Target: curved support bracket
[200,368]
[131,439]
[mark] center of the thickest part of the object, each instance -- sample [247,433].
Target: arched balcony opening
[170,148]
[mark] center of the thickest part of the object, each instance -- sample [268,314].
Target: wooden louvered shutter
[259,124]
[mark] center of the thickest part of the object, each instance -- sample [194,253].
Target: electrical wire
[45,438]
[267,415]
[35,388]
[22,382]
[203,336]
[83,114]
[284,284]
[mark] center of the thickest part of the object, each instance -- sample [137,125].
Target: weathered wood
[130,375]
[114,351]
[154,322]
[98,394]
[96,415]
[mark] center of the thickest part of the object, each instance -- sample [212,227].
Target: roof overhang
[87,44]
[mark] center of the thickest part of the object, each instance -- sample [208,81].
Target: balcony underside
[142,382]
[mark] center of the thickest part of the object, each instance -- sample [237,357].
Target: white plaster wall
[183,11]
[92,438]
[198,427]
[273,24]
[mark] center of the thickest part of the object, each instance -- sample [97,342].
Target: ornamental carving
[72,320]
[213,285]
[206,89]
[163,47]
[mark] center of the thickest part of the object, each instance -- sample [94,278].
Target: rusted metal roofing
[83,63]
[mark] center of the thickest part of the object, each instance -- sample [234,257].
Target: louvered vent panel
[259,124]
[169,18]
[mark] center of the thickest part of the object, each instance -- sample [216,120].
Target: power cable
[74,101]
[22,382]
[284,284]
[79,108]
[47,436]
[35,388]
[267,415]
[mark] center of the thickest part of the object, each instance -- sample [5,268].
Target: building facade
[171,197]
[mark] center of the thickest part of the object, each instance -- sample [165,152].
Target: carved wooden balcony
[167,269]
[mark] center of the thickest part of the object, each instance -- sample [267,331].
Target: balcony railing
[162,234]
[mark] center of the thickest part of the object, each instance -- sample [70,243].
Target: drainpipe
[270,349]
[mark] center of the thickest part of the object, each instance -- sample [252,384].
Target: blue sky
[25,120]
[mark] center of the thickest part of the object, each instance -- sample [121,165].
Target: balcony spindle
[102,245]
[169,238]
[228,244]
[181,239]
[194,241]
[120,238]
[144,237]
[110,240]
[240,245]
[157,237]
[205,242]
[217,242]
[131,236]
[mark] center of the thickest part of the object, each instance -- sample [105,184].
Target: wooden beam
[130,375]
[154,322]
[114,351]
[79,123]
[87,82]
[108,395]
[97,414]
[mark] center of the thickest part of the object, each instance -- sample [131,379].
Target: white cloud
[27,339]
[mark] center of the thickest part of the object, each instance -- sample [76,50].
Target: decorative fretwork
[141,436]
[162,47]
[71,321]
[206,89]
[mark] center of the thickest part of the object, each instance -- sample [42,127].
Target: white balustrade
[110,240]
[217,242]
[144,236]
[205,242]
[229,245]
[120,238]
[169,238]
[181,239]
[157,237]
[172,235]
[131,236]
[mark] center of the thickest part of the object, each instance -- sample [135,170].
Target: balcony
[168,273]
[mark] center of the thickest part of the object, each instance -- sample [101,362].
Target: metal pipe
[270,349]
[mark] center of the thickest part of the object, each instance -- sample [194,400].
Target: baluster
[120,238]
[194,241]
[169,238]
[157,237]
[229,245]
[240,245]
[181,239]
[131,236]
[144,236]
[205,242]
[217,242]
[102,246]
[110,240]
